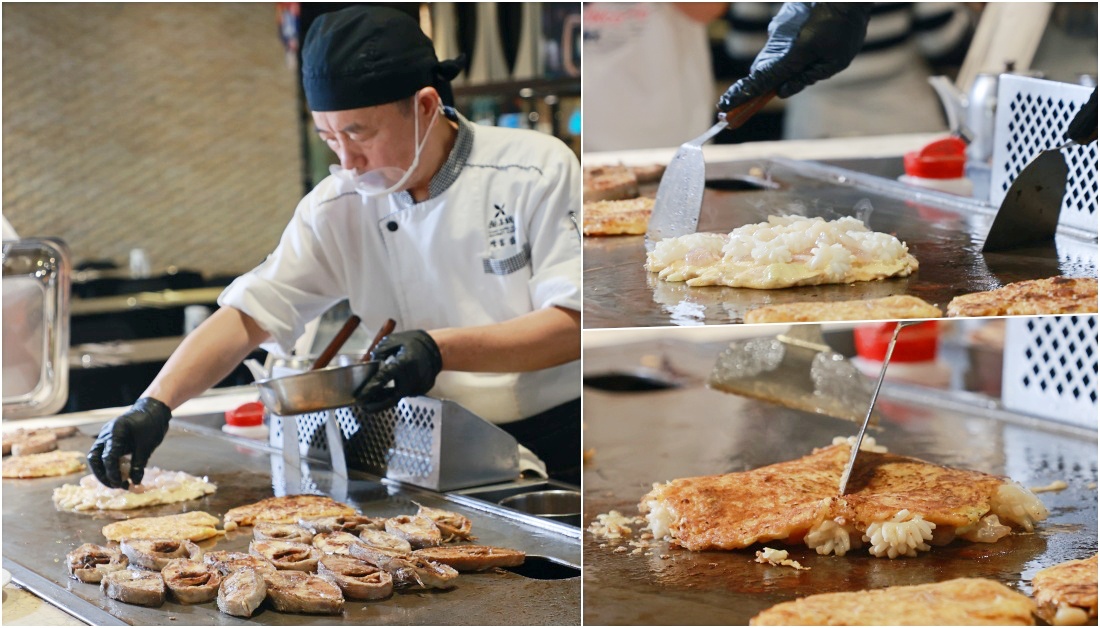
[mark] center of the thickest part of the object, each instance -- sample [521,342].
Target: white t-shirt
[647,77]
[496,240]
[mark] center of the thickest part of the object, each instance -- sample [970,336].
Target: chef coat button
[391,225]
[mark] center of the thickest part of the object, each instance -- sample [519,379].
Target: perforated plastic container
[1032,116]
[1050,368]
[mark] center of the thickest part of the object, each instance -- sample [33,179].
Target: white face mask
[390,179]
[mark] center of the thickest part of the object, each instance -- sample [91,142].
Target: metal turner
[680,195]
[795,369]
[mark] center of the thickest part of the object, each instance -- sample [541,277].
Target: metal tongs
[680,195]
[874,397]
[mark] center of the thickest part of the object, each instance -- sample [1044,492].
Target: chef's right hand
[138,432]
[807,42]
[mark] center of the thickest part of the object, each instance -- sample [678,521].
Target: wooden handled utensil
[337,341]
[386,330]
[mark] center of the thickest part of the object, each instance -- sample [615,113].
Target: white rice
[829,537]
[614,526]
[658,514]
[671,250]
[1017,506]
[903,535]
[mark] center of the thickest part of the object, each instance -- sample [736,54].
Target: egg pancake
[1053,295]
[609,183]
[784,501]
[886,308]
[1069,584]
[959,602]
[44,465]
[288,509]
[627,217]
[192,526]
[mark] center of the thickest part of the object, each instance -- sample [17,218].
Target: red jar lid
[941,159]
[915,344]
[246,415]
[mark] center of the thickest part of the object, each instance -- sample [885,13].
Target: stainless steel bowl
[560,505]
[312,391]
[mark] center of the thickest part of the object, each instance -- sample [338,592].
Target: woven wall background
[170,127]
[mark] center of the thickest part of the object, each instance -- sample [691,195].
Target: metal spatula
[795,369]
[1029,212]
[680,195]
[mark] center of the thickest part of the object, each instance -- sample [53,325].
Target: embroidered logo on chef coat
[505,255]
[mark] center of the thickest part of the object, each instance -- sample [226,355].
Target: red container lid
[941,159]
[915,344]
[248,414]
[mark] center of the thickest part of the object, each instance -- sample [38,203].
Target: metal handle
[338,341]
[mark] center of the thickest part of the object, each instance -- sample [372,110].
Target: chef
[464,234]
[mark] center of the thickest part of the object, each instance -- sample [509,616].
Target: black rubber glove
[411,360]
[807,42]
[137,432]
[1083,127]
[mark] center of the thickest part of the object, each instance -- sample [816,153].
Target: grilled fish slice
[267,531]
[38,442]
[472,557]
[335,542]
[242,592]
[286,555]
[359,580]
[385,540]
[407,570]
[90,562]
[297,592]
[343,523]
[191,582]
[452,526]
[418,531]
[154,554]
[228,562]
[144,588]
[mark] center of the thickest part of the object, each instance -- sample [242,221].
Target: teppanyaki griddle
[945,233]
[37,537]
[644,437]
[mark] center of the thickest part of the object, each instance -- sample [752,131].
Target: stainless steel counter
[37,537]
[945,234]
[644,437]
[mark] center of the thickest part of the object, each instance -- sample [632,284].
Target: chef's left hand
[411,360]
[1083,127]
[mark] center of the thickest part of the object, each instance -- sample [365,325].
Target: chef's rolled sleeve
[294,285]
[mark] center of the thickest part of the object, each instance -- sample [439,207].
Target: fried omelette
[796,501]
[1053,295]
[626,217]
[959,602]
[609,183]
[1066,593]
[48,464]
[288,509]
[885,308]
[192,526]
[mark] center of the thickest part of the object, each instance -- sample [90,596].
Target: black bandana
[363,56]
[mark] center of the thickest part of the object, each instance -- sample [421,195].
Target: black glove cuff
[154,408]
[433,350]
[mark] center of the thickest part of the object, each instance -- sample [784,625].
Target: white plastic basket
[1032,116]
[1050,368]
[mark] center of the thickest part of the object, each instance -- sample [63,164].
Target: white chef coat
[647,77]
[496,239]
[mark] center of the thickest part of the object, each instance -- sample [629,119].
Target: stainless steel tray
[945,234]
[645,437]
[37,537]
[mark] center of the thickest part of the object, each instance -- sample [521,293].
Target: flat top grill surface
[945,238]
[37,537]
[645,437]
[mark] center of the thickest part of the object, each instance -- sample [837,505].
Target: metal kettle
[972,115]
